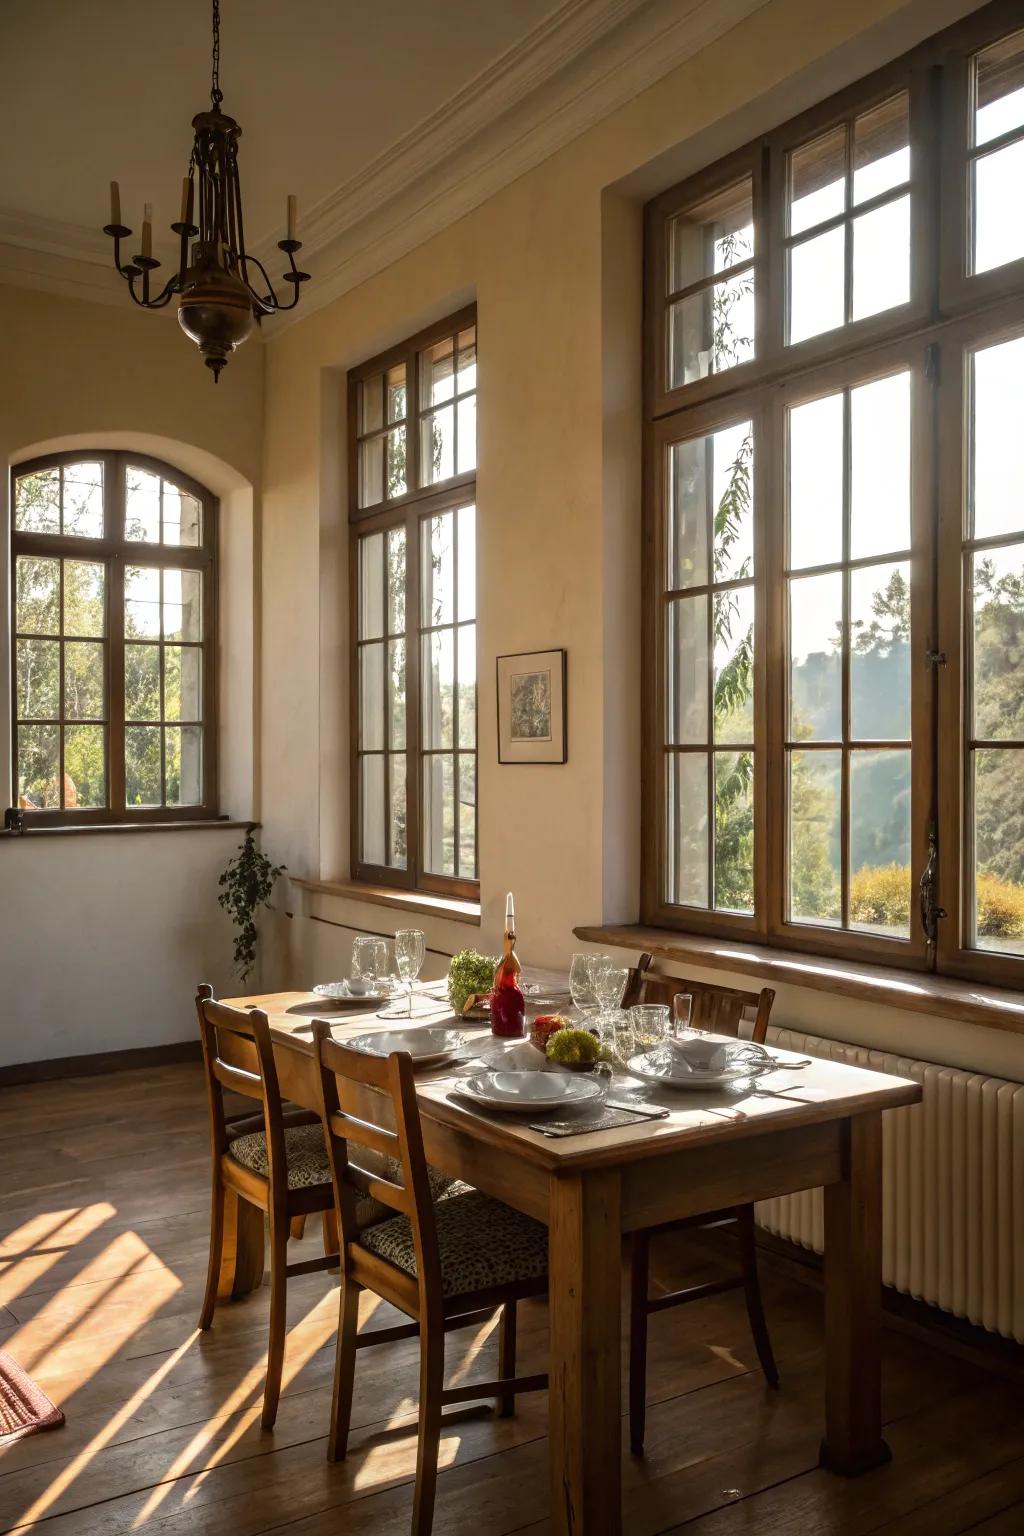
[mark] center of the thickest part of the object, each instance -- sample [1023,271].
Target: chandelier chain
[216,94]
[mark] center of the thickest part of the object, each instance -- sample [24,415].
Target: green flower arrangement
[470,972]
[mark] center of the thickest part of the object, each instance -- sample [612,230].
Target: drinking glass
[650,1025]
[410,952]
[682,1013]
[581,982]
[369,960]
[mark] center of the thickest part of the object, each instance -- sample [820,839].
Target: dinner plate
[528,1092]
[426,1046]
[663,1068]
[340,992]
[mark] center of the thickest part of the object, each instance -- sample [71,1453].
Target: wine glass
[410,952]
[581,983]
[369,960]
[610,986]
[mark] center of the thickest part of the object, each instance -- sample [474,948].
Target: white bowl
[528,1092]
[426,1046]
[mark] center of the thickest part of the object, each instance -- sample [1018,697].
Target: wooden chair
[724,1010]
[445,1264]
[273,1163]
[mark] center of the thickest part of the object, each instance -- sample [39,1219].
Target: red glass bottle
[508,1006]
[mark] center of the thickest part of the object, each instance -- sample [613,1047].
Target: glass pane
[38,767]
[815,658]
[183,764]
[83,680]
[141,506]
[182,682]
[38,671]
[396,581]
[371,697]
[467,360]
[998,207]
[396,393]
[999,88]
[999,850]
[37,502]
[437,372]
[998,585]
[711,330]
[182,522]
[85,768]
[395,441]
[398,812]
[436,689]
[816,482]
[183,605]
[880,466]
[733,531]
[84,591]
[817,181]
[734,665]
[396,668]
[815,865]
[141,602]
[734,831]
[467,435]
[142,682]
[881,258]
[439,815]
[817,285]
[881,148]
[686,852]
[997,471]
[690,468]
[880,883]
[437,446]
[467,685]
[371,472]
[83,499]
[371,584]
[716,235]
[373,811]
[38,596]
[687,671]
[142,765]
[467,562]
[880,653]
[437,569]
[467,817]
[371,408]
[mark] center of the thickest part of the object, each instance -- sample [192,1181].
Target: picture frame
[532,712]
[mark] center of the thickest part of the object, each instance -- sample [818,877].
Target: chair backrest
[238,1054]
[344,1075]
[723,1010]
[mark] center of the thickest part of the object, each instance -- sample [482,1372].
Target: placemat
[607,1118]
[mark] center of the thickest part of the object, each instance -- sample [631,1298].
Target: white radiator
[953,1175]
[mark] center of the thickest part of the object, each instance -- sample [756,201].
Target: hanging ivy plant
[246,885]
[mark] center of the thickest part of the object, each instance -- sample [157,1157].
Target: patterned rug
[23,1407]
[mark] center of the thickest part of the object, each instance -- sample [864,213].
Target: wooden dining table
[797,1128]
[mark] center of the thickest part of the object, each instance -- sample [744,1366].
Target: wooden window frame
[114,552]
[408,511]
[949,314]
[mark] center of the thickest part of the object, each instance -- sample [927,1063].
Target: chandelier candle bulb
[147,229]
[291,218]
[186,198]
[115,203]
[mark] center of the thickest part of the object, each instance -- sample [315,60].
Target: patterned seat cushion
[483,1244]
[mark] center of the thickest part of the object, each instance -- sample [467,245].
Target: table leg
[585,1265]
[853,1305]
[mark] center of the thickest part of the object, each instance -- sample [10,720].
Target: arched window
[114,572]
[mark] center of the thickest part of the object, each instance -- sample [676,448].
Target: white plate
[425,1046]
[662,1068]
[340,992]
[529,1091]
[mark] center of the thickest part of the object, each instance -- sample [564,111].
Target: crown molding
[588,58]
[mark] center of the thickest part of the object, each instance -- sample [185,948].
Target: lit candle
[147,229]
[115,203]
[291,218]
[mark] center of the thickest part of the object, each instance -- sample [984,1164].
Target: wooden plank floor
[103,1222]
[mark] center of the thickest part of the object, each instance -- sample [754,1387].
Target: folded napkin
[701,1052]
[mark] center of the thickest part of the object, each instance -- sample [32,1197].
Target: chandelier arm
[268,302]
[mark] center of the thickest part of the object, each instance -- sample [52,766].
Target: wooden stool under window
[445,1264]
[722,1010]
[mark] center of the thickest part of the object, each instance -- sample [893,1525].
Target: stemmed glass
[610,986]
[581,982]
[369,960]
[410,952]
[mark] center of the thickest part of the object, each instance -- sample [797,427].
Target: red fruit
[544,1026]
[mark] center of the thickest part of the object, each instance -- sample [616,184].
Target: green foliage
[469,972]
[246,885]
[573,1048]
[880,896]
[1000,908]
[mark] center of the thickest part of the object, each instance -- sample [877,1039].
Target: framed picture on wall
[532,726]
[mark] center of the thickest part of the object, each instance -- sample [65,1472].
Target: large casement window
[113,597]
[834,506]
[412,499]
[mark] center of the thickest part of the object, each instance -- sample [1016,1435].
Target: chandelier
[222,291]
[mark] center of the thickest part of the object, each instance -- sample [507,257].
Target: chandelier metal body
[222,291]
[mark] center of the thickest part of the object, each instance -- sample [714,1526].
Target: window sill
[423,903]
[95,828]
[917,992]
